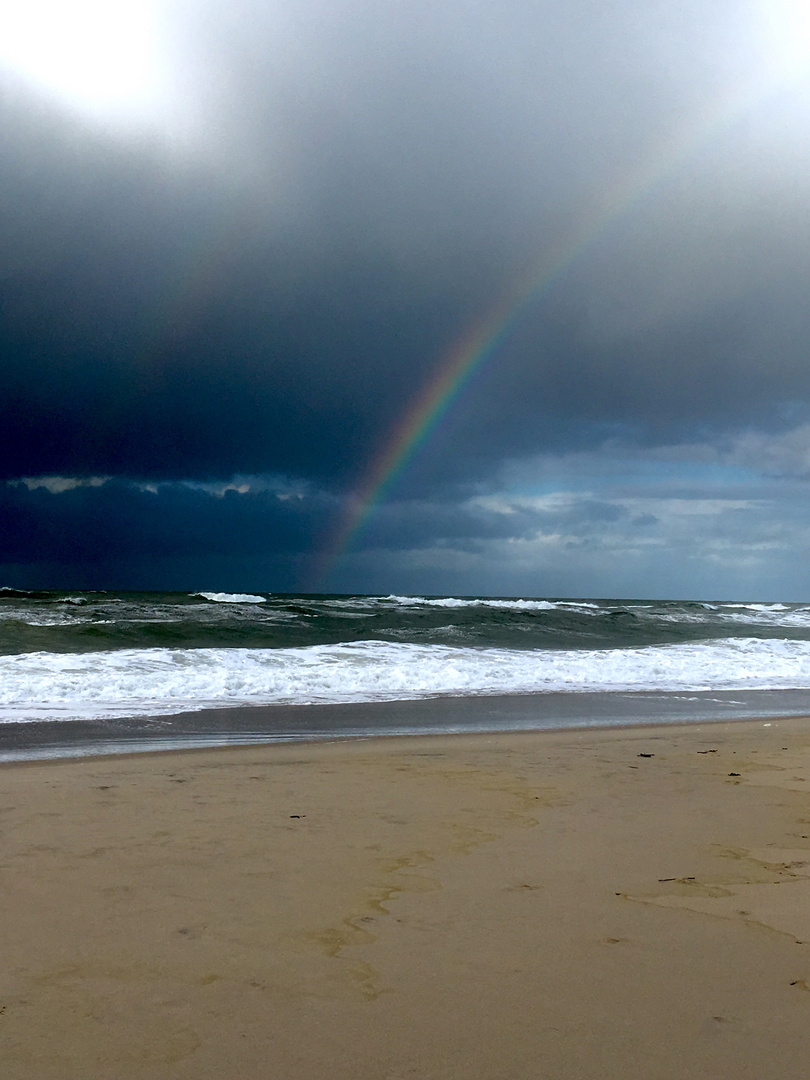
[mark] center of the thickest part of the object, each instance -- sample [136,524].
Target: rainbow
[480,342]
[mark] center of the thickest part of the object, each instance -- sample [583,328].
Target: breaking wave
[159,681]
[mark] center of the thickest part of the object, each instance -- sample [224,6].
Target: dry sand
[510,907]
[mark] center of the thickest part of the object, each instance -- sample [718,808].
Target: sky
[430,297]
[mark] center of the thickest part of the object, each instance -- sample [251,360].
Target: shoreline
[277,724]
[626,902]
[144,750]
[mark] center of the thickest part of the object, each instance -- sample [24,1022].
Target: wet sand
[28,738]
[616,903]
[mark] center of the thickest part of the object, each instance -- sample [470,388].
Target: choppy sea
[99,671]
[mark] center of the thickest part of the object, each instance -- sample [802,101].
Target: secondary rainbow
[480,342]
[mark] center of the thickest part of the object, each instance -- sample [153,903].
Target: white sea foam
[755,607]
[775,614]
[504,605]
[765,614]
[162,681]
[231,597]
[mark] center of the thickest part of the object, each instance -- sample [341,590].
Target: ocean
[95,672]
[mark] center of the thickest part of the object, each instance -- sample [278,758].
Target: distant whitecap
[232,597]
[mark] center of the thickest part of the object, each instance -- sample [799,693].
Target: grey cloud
[786,454]
[710,545]
[781,455]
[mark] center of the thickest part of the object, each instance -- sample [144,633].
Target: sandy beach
[585,904]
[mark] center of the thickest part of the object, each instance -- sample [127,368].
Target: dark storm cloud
[369,178]
[174,536]
[151,330]
[263,281]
